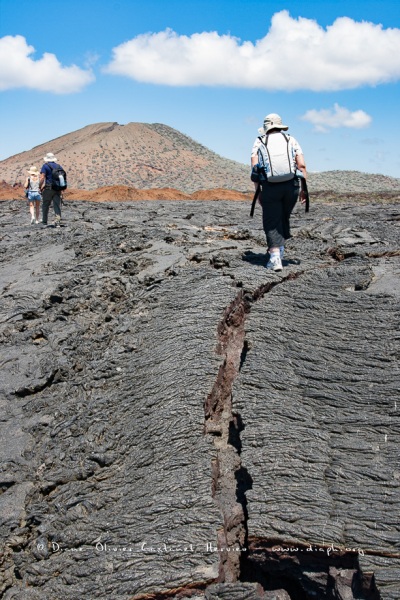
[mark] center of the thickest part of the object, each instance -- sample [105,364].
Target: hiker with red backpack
[279,173]
[53,179]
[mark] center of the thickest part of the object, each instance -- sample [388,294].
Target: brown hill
[143,156]
[138,155]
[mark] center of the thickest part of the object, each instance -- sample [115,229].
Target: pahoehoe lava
[144,342]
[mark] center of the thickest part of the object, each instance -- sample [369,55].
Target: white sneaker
[32,221]
[274,263]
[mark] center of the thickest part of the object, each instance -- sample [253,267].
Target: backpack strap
[287,138]
[269,157]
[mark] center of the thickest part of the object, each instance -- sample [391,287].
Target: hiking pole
[304,189]
[253,204]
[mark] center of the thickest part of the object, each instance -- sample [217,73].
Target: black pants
[49,196]
[278,201]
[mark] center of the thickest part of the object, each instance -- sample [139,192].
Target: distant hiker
[53,180]
[31,186]
[277,166]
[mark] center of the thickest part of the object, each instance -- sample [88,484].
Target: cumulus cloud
[326,119]
[19,70]
[295,54]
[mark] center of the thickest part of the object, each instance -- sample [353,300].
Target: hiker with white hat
[53,180]
[277,167]
[31,186]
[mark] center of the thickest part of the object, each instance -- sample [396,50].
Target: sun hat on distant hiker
[33,171]
[49,157]
[272,121]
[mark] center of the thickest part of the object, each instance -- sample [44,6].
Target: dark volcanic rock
[178,422]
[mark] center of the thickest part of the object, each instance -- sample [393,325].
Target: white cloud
[295,54]
[326,119]
[19,70]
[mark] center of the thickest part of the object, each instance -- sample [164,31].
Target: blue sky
[211,69]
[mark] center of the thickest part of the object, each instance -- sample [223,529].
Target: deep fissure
[231,480]
[255,560]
